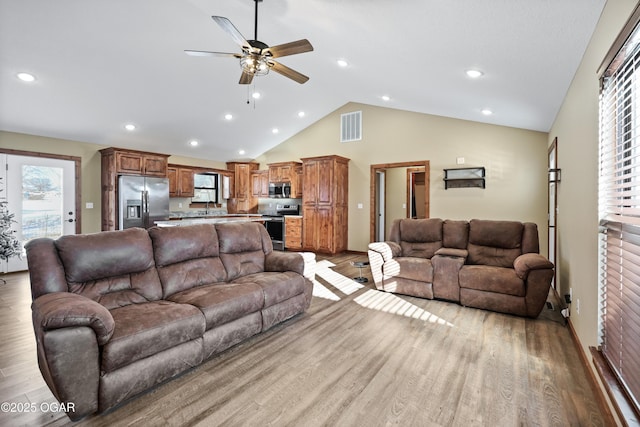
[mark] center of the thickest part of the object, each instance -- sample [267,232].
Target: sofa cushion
[276,286]
[186,257]
[114,268]
[142,330]
[492,279]
[177,244]
[494,243]
[111,253]
[455,234]
[222,302]
[419,269]
[419,237]
[241,248]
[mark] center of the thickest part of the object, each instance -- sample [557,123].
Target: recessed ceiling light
[130,127]
[486,112]
[385,97]
[26,77]
[255,95]
[301,113]
[275,130]
[193,143]
[342,63]
[241,152]
[474,74]
[228,116]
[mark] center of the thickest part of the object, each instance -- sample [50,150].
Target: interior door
[41,193]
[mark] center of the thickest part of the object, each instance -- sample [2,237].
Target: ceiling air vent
[351,126]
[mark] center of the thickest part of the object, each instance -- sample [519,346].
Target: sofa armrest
[65,309]
[453,252]
[300,262]
[387,250]
[526,263]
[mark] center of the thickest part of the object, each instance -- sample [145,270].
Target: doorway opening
[416,180]
[385,191]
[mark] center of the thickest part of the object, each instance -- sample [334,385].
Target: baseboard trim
[591,377]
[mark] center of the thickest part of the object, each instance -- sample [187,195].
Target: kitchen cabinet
[325,197]
[244,201]
[180,181]
[139,163]
[293,233]
[260,183]
[287,172]
[118,161]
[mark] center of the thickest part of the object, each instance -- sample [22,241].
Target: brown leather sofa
[118,312]
[493,265]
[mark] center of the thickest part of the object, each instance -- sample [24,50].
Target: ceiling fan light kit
[256,58]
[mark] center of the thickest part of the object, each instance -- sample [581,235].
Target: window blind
[619,211]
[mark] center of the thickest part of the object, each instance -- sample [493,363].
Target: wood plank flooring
[358,357]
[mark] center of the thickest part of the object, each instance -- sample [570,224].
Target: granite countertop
[211,220]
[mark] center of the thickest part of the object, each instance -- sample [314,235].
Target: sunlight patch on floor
[390,303]
[321,291]
[344,284]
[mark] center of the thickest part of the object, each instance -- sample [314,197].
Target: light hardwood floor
[358,357]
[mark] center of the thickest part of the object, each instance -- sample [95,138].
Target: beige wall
[515,159]
[90,167]
[576,127]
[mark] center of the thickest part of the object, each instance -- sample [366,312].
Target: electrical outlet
[578,306]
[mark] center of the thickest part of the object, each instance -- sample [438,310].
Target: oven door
[275,228]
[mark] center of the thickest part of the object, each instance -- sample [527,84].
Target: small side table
[360,265]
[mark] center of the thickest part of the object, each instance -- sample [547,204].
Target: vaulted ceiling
[100,65]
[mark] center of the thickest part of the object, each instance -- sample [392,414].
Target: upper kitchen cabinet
[131,162]
[290,172]
[180,181]
[117,161]
[245,202]
[260,183]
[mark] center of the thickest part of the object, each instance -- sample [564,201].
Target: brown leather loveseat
[493,265]
[118,312]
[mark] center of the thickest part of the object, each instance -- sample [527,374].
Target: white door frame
[77,164]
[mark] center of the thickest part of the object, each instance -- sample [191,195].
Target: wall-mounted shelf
[464,178]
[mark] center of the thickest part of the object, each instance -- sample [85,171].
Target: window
[619,212]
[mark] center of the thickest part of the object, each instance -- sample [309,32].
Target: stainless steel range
[274,223]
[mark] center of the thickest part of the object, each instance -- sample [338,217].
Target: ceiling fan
[257,58]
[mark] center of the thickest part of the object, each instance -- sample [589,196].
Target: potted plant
[9,245]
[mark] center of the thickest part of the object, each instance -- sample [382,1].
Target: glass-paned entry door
[41,194]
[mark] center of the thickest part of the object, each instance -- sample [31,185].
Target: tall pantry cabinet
[325,200]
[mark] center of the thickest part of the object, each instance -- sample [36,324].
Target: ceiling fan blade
[230,29]
[207,53]
[246,78]
[288,72]
[299,46]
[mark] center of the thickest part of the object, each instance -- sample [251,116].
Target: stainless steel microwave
[279,190]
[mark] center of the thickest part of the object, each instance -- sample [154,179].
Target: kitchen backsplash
[179,206]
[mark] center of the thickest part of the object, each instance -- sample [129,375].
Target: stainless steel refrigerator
[142,201]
